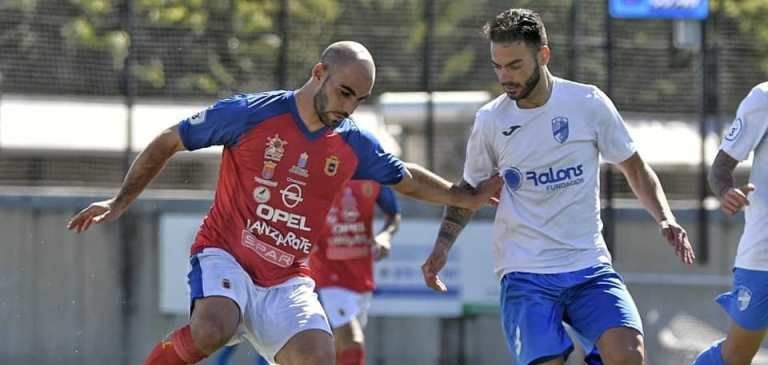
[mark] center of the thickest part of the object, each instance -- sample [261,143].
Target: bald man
[286,156]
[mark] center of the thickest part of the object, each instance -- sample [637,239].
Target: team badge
[560,129]
[331,165]
[300,168]
[275,148]
[743,297]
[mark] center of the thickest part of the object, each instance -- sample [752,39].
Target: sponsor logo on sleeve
[735,130]
[198,118]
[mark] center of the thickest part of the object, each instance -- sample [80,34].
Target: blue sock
[711,356]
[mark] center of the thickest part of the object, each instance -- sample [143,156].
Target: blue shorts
[747,302]
[534,307]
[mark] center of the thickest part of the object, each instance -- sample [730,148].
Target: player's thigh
[279,314]
[531,315]
[219,290]
[602,303]
[216,317]
[308,347]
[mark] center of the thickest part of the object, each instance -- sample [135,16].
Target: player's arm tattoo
[147,165]
[721,175]
[454,221]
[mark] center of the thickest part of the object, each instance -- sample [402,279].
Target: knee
[628,356]
[210,333]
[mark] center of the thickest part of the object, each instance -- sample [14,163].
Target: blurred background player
[747,303]
[342,262]
[287,155]
[546,135]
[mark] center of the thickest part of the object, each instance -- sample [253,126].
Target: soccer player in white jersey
[545,136]
[747,302]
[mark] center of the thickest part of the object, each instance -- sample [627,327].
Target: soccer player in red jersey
[287,155]
[342,262]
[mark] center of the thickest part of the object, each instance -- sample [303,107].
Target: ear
[543,55]
[319,71]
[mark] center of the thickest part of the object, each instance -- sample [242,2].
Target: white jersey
[548,219]
[747,134]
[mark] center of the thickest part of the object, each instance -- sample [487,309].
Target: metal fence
[206,48]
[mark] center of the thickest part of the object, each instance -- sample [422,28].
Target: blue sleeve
[221,124]
[373,162]
[387,201]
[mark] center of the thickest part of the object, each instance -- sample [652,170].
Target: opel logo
[292,195]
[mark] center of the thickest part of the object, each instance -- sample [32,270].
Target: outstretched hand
[677,237]
[97,212]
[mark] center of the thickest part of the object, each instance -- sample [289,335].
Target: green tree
[187,47]
[750,15]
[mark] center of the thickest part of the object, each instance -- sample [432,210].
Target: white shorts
[270,315]
[343,305]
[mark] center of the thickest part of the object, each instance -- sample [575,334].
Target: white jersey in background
[747,134]
[548,219]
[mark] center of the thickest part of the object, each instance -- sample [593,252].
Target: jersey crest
[560,129]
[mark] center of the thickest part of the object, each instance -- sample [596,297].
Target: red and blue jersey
[277,180]
[343,257]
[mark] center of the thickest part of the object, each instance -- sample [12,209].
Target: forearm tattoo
[454,221]
[721,176]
